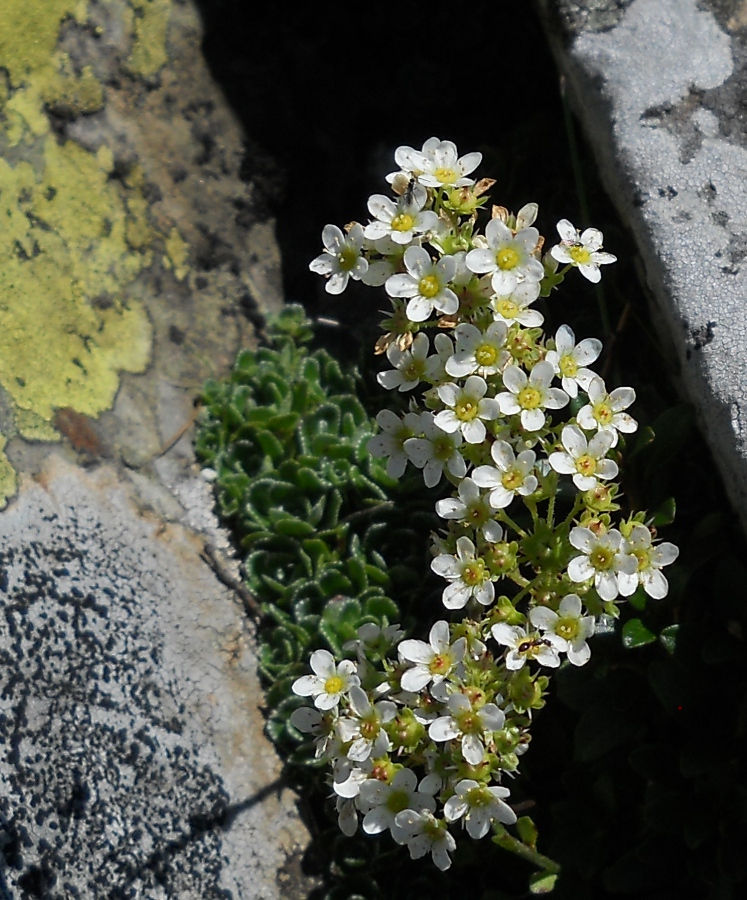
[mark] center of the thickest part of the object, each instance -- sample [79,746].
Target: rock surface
[134,761]
[661,87]
[136,254]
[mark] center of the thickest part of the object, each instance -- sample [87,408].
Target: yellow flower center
[469,723]
[446,176]
[529,397]
[586,465]
[478,797]
[466,410]
[402,222]
[644,559]
[568,366]
[507,308]
[370,728]
[474,572]
[512,480]
[602,558]
[567,628]
[347,258]
[486,355]
[333,685]
[440,664]
[580,255]
[603,413]
[429,287]
[507,258]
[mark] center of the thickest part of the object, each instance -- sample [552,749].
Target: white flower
[309,720]
[347,816]
[604,559]
[584,460]
[363,730]
[342,258]
[468,574]
[480,805]
[467,407]
[426,284]
[385,801]
[469,507]
[468,724]
[524,646]
[434,661]
[401,221]
[348,778]
[435,450]
[374,639]
[329,681]
[513,306]
[391,442]
[478,352]
[423,833]
[435,366]
[409,365]
[604,412]
[510,475]
[568,625]
[530,396]
[650,560]
[508,257]
[569,359]
[437,165]
[582,250]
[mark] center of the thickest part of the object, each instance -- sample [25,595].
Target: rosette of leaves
[310,509]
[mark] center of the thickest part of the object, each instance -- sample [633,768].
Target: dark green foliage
[311,510]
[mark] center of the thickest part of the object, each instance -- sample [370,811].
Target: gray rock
[134,763]
[662,96]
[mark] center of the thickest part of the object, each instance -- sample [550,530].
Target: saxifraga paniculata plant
[323,544]
[423,736]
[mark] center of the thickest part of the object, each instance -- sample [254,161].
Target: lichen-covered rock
[136,251]
[134,764]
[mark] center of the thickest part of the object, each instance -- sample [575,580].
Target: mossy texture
[73,237]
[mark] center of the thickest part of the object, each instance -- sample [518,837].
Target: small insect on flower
[410,190]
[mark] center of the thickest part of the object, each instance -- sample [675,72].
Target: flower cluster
[533,550]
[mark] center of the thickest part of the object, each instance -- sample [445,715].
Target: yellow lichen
[177,254]
[8,478]
[65,330]
[72,238]
[151,25]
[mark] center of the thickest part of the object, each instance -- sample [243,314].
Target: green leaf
[293,527]
[527,831]
[543,882]
[668,638]
[665,513]
[635,634]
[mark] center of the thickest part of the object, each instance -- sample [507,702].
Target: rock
[135,257]
[135,764]
[660,88]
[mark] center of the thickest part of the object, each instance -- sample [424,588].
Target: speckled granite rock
[134,764]
[661,89]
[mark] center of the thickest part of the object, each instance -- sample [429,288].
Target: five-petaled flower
[581,249]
